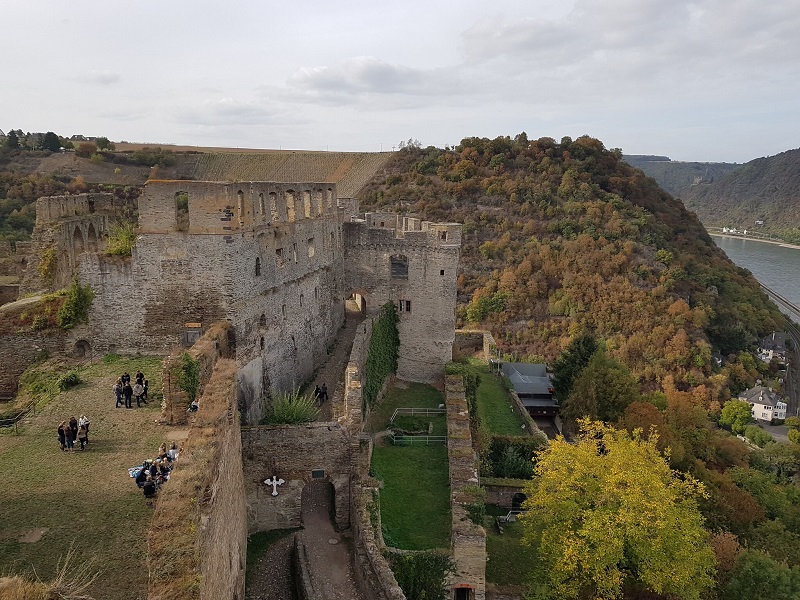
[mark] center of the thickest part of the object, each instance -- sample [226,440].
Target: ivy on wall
[382,355]
[75,310]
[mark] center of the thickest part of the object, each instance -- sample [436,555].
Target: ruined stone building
[277,260]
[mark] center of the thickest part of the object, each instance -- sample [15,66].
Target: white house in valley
[765,404]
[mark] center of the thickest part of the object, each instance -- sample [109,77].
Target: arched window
[261,204]
[307,205]
[273,205]
[77,241]
[240,203]
[290,205]
[258,266]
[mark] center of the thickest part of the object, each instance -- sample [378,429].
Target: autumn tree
[736,414]
[608,511]
[50,142]
[103,143]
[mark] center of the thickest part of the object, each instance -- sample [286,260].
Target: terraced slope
[350,171]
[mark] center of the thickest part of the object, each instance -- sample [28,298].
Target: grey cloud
[367,76]
[225,112]
[98,77]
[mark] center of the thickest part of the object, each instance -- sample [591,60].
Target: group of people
[320,394]
[152,473]
[72,431]
[127,393]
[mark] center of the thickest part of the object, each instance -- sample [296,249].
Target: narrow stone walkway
[332,372]
[272,575]
[329,552]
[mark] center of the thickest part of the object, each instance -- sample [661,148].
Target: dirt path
[329,556]
[332,372]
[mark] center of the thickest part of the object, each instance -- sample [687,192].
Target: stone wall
[19,351]
[468,540]
[502,492]
[296,454]
[467,343]
[351,416]
[416,270]
[197,541]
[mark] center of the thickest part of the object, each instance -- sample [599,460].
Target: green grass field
[82,498]
[415,498]
[494,403]
[509,560]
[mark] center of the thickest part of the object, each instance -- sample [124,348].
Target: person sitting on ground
[149,487]
[164,470]
[194,405]
[141,477]
[172,453]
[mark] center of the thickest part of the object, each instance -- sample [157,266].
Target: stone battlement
[51,209]
[211,207]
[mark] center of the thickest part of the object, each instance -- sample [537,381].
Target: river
[775,266]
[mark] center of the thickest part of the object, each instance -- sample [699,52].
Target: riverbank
[754,239]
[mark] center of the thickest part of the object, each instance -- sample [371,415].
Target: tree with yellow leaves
[608,514]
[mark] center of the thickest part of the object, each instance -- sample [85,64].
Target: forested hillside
[765,189]
[565,237]
[676,177]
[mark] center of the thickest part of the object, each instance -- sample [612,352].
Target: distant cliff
[678,177]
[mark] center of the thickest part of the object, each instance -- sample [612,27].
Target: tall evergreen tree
[571,362]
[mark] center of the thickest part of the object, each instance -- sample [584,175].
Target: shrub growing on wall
[472,379]
[75,309]
[121,239]
[291,409]
[422,574]
[382,355]
[189,375]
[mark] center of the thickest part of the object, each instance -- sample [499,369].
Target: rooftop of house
[775,341]
[760,395]
[529,378]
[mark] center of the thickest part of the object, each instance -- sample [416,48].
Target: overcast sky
[709,80]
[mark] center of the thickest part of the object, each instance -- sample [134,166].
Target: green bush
[189,375]
[68,380]
[110,359]
[511,457]
[76,305]
[382,355]
[422,575]
[411,424]
[121,239]
[472,379]
[291,409]
[758,436]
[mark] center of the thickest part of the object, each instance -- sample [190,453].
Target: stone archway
[91,238]
[77,241]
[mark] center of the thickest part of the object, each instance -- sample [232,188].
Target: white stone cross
[274,482]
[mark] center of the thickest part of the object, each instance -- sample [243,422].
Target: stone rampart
[197,541]
[468,540]
[351,417]
[20,350]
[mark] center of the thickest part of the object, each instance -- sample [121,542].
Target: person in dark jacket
[149,487]
[127,391]
[62,435]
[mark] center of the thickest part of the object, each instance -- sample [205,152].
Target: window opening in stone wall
[262,343]
[273,205]
[399,266]
[330,197]
[261,204]
[318,474]
[294,252]
[333,241]
[382,224]
[318,201]
[310,247]
[182,211]
[258,266]
[307,205]
[316,293]
[443,236]
[301,300]
[77,241]
[91,238]
[240,205]
[283,310]
[404,306]
[279,257]
[290,205]
[441,271]
[262,320]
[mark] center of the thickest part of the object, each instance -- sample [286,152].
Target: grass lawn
[51,499]
[509,560]
[494,403]
[415,498]
[403,395]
